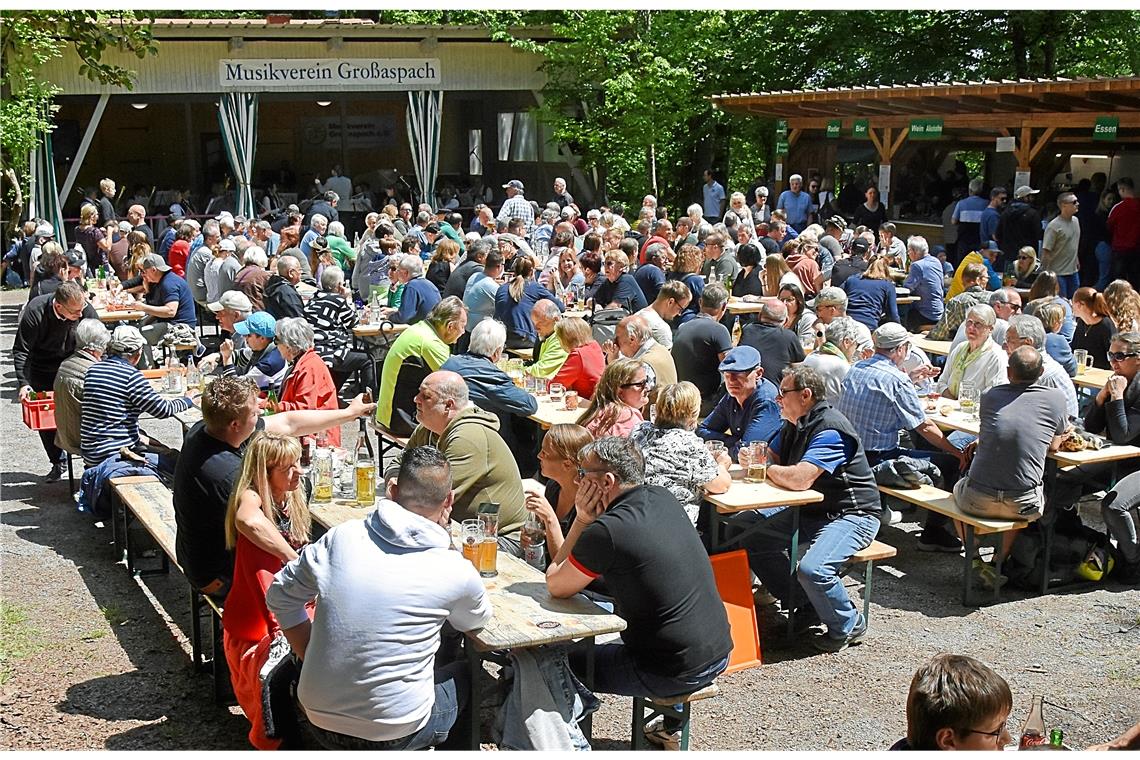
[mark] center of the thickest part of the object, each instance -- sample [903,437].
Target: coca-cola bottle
[1033,729]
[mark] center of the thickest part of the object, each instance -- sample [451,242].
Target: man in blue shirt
[987,228]
[712,198]
[748,411]
[420,294]
[968,216]
[795,203]
[479,295]
[168,301]
[880,400]
[925,281]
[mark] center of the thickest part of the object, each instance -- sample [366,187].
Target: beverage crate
[40,414]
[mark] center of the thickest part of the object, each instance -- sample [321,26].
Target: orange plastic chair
[734,584]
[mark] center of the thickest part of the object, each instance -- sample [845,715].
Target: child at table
[956,703]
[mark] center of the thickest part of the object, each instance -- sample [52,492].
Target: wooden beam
[1019,102]
[1042,141]
[1024,143]
[899,141]
[877,143]
[793,137]
[992,121]
[84,144]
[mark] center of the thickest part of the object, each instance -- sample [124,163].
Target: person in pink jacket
[621,393]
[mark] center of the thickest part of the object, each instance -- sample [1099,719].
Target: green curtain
[237,117]
[45,192]
[425,112]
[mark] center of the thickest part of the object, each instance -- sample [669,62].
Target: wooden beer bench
[868,556]
[937,500]
[145,500]
[665,707]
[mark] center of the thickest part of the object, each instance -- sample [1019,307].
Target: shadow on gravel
[162,687]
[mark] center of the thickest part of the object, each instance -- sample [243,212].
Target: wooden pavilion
[1067,115]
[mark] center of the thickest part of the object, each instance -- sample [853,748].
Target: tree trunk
[1017,39]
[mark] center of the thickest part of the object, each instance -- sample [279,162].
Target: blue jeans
[832,544]
[615,672]
[1103,253]
[1069,283]
[451,690]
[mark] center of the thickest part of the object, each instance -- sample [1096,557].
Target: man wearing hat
[221,269]
[44,338]
[115,394]
[516,206]
[880,401]
[817,448]
[233,306]
[855,264]
[747,412]
[1020,222]
[168,301]
[257,359]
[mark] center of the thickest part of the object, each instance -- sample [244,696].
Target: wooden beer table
[1093,378]
[524,614]
[549,413]
[110,316]
[937,347]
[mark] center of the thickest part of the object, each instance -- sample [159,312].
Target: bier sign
[925,129]
[1106,128]
[861,129]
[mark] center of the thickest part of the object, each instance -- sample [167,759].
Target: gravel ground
[91,658]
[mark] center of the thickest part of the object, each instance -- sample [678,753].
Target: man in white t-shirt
[1059,246]
[371,680]
[671,300]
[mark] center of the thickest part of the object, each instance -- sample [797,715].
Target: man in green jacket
[549,355]
[482,466]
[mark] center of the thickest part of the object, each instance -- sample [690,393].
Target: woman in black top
[558,462]
[443,258]
[871,214]
[1094,326]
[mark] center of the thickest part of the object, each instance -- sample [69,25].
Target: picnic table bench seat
[666,706]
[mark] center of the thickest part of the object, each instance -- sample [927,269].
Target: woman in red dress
[266,524]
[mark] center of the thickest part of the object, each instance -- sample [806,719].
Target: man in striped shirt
[114,396]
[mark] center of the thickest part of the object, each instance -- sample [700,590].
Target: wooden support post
[85,143]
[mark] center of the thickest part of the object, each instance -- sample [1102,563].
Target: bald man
[136,215]
[633,339]
[482,466]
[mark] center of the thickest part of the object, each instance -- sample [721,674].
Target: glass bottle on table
[1033,729]
[365,468]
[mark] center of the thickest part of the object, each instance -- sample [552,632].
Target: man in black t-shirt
[209,464]
[701,344]
[639,537]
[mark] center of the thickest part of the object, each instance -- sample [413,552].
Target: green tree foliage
[28,40]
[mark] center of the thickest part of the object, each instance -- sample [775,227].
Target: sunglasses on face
[645,384]
[1119,356]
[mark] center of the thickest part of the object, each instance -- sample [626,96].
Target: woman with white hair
[739,206]
[978,360]
[344,253]
[332,317]
[307,383]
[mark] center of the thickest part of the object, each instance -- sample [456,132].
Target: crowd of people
[633,317]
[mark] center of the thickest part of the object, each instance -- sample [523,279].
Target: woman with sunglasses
[1114,413]
[622,392]
[675,457]
[801,320]
[267,523]
[1023,272]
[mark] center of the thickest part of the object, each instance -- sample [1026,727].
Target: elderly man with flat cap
[747,412]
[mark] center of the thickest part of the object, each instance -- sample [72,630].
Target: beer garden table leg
[793,561]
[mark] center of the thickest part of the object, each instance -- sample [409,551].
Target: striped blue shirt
[879,401]
[114,395]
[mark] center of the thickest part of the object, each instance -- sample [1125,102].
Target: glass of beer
[556,391]
[757,462]
[470,534]
[486,559]
[571,400]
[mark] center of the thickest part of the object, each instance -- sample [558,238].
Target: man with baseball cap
[234,306]
[748,411]
[1020,223]
[168,301]
[880,401]
[115,394]
[257,359]
[516,206]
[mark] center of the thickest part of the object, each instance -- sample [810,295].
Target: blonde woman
[777,274]
[94,240]
[558,463]
[267,522]
[1123,305]
[622,392]
[675,457]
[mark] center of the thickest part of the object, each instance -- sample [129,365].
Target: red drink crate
[40,414]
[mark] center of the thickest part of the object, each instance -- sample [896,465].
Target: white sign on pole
[1006,144]
[1019,179]
[779,172]
[885,184]
[324,74]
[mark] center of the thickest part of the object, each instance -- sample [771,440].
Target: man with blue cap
[747,412]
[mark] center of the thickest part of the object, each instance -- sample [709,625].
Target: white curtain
[425,112]
[237,117]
